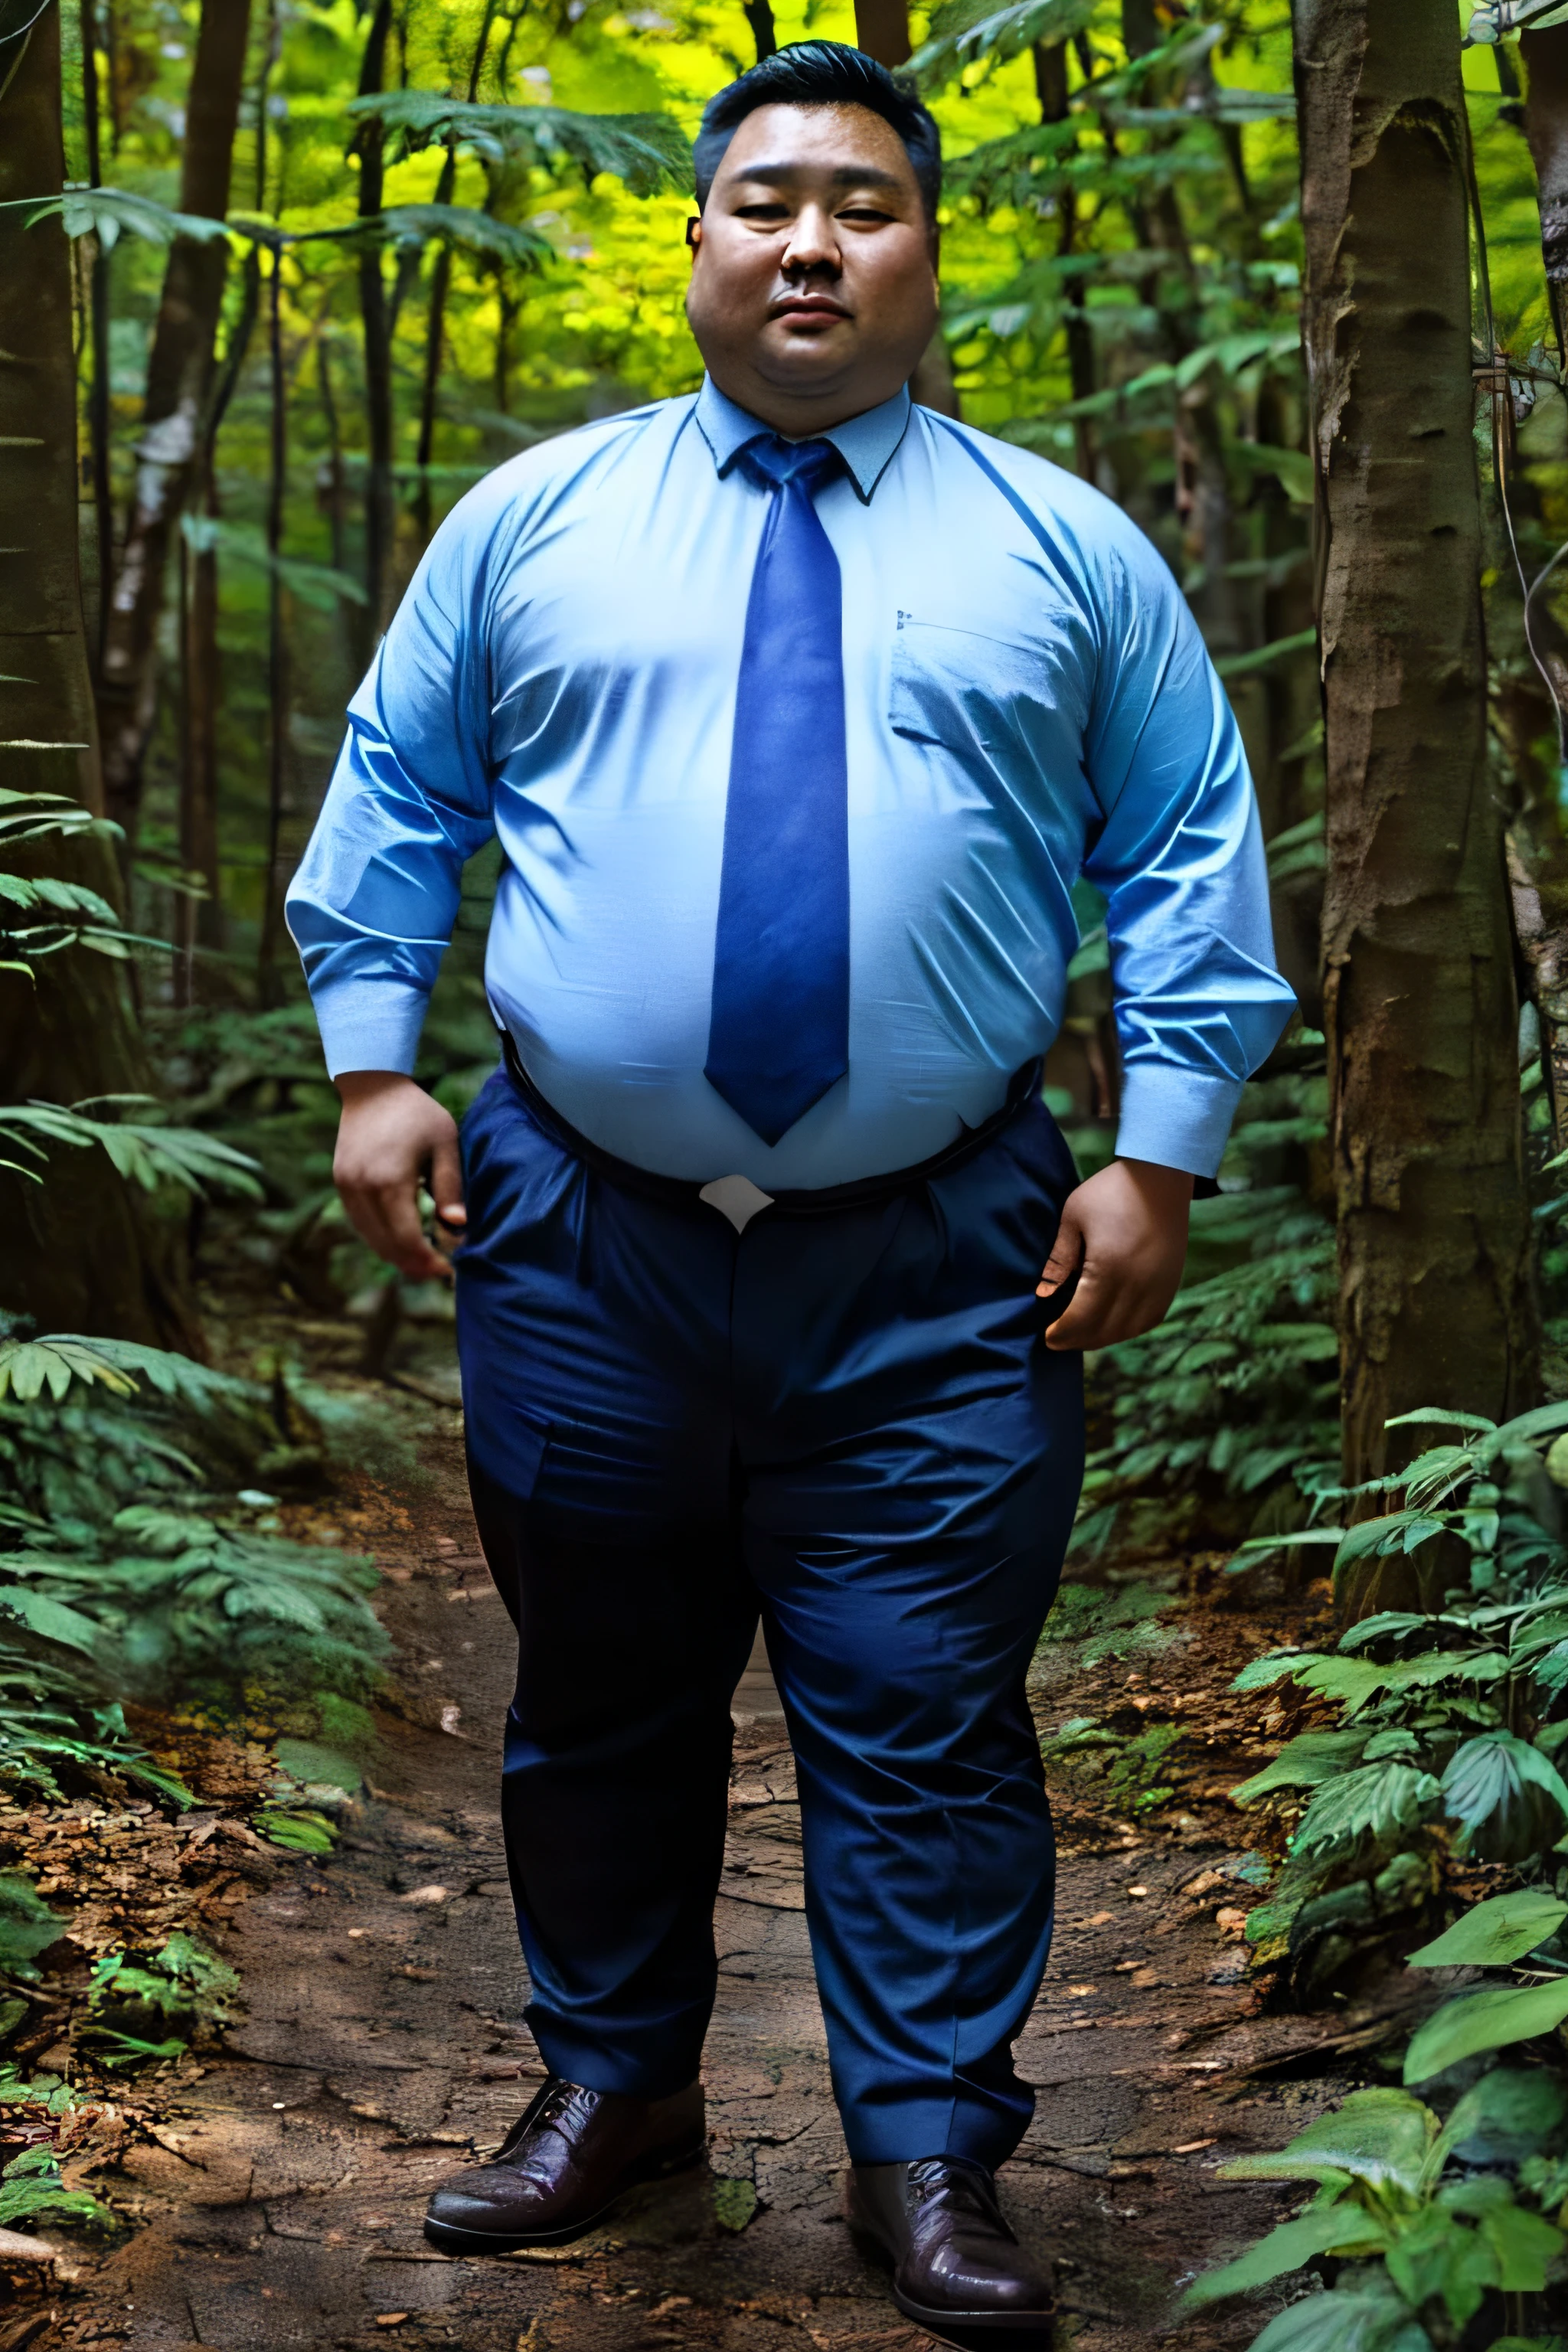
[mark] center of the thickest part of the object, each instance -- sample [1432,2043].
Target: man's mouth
[808,310]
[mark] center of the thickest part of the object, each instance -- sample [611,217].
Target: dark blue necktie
[779,1031]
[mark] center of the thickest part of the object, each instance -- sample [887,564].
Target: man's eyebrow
[843,175]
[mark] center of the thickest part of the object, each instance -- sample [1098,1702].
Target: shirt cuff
[1175,1117]
[373,1025]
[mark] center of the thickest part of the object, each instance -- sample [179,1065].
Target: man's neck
[796,416]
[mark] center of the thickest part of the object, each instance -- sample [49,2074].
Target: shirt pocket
[963,689]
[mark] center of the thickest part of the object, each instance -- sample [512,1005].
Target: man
[798,711]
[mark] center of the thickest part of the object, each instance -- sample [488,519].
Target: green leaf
[49,1619]
[966,30]
[27,1925]
[1369,1535]
[303,1833]
[735,2202]
[1489,2018]
[1508,2115]
[1484,1784]
[29,1365]
[482,232]
[313,1765]
[1345,2230]
[1377,1800]
[1525,2247]
[648,151]
[1304,1763]
[1372,2318]
[1502,1928]
[316,584]
[104,212]
[1380,2136]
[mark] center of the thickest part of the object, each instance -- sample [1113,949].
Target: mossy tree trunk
[1419,998]
[77,1252]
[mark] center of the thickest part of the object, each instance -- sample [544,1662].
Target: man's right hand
[391,1134]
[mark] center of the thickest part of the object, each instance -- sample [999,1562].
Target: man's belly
[601,966]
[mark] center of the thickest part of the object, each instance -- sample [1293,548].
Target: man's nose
[813,242]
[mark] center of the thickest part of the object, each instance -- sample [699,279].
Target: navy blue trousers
[850,1421]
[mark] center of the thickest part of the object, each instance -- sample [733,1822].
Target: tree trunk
[201,920]
[1545,57]
[77,1252]
[882,30]
[1531,708]
[1051,89]
[1419,1001]
[98,343]
[277,682]
[179,373]
[379,519]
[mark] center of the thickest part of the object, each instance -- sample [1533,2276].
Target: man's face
[813,286]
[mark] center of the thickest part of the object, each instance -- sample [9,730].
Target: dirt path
[279,2198]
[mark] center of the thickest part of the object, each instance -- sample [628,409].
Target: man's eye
[762,211]
[863,216]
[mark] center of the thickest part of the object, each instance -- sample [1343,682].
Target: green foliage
[31,2190]
[1495,1932]
[127,1575]
[648,151]
[1451,1714]
[1441,2209]
[27,1927]
[1234,1393]
[297,1828]
[1125,1768]
[147,2006]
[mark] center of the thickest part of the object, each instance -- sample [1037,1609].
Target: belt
[820,1202]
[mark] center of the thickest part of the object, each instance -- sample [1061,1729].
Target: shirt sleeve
[373,902]
[1179,857]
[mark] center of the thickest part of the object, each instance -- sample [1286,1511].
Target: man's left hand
[1126,1233]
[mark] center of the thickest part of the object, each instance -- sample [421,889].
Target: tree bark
[1545,57]
[77,1252]
[179,374]
[1051,89]
[277,679]
[379,517]
[882,30]
[98,343]
[1419,1001]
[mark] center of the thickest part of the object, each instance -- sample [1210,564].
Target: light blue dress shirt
[1026,697]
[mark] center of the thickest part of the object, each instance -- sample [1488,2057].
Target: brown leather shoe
[562,2166]
[957,2267]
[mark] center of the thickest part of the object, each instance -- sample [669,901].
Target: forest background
[277,282]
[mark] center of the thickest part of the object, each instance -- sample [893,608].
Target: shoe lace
[548,2108]
[957,2186]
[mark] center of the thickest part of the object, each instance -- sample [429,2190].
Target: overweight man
[797,710]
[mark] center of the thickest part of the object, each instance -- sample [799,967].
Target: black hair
[820,73]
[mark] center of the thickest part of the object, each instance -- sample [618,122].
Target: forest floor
[273,2191]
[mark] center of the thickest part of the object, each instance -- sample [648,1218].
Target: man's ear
[694,231]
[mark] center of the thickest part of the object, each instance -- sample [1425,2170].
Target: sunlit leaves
[105,213]
[964,31]
[647,152]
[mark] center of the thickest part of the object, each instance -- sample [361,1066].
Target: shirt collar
[866,443]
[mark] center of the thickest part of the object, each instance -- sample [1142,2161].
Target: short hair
[820,73]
